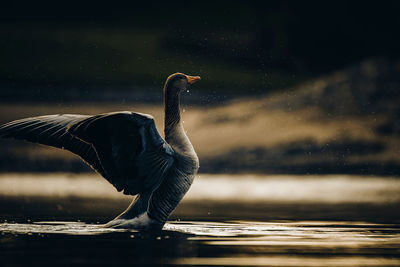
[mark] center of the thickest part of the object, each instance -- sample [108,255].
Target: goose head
[178,82]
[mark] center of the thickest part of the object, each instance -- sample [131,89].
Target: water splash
[56,227]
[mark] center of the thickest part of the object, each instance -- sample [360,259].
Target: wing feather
[51,130]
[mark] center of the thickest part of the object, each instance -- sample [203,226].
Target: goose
[127,150]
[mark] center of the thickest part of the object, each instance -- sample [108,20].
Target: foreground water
[224,221]
[237,243]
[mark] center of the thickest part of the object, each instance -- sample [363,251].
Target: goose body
[127,150]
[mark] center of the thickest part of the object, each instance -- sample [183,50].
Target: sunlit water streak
[238,232]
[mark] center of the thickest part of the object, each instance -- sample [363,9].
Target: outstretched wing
[124,147]
[51,130]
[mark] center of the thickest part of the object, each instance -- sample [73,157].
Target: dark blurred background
[315,84]
[77,50]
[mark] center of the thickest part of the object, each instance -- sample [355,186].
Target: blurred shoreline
[244,197]
[343,123]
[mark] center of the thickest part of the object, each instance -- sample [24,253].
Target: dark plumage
[127,150]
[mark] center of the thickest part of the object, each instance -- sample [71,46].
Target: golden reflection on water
[305,243]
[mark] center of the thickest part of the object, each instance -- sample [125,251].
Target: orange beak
[192,79]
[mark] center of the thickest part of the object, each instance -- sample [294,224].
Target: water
[237,243]
[309,228]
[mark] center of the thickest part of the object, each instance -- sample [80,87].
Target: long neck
[172,117]
[174,133]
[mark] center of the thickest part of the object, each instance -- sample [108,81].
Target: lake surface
[240,220]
